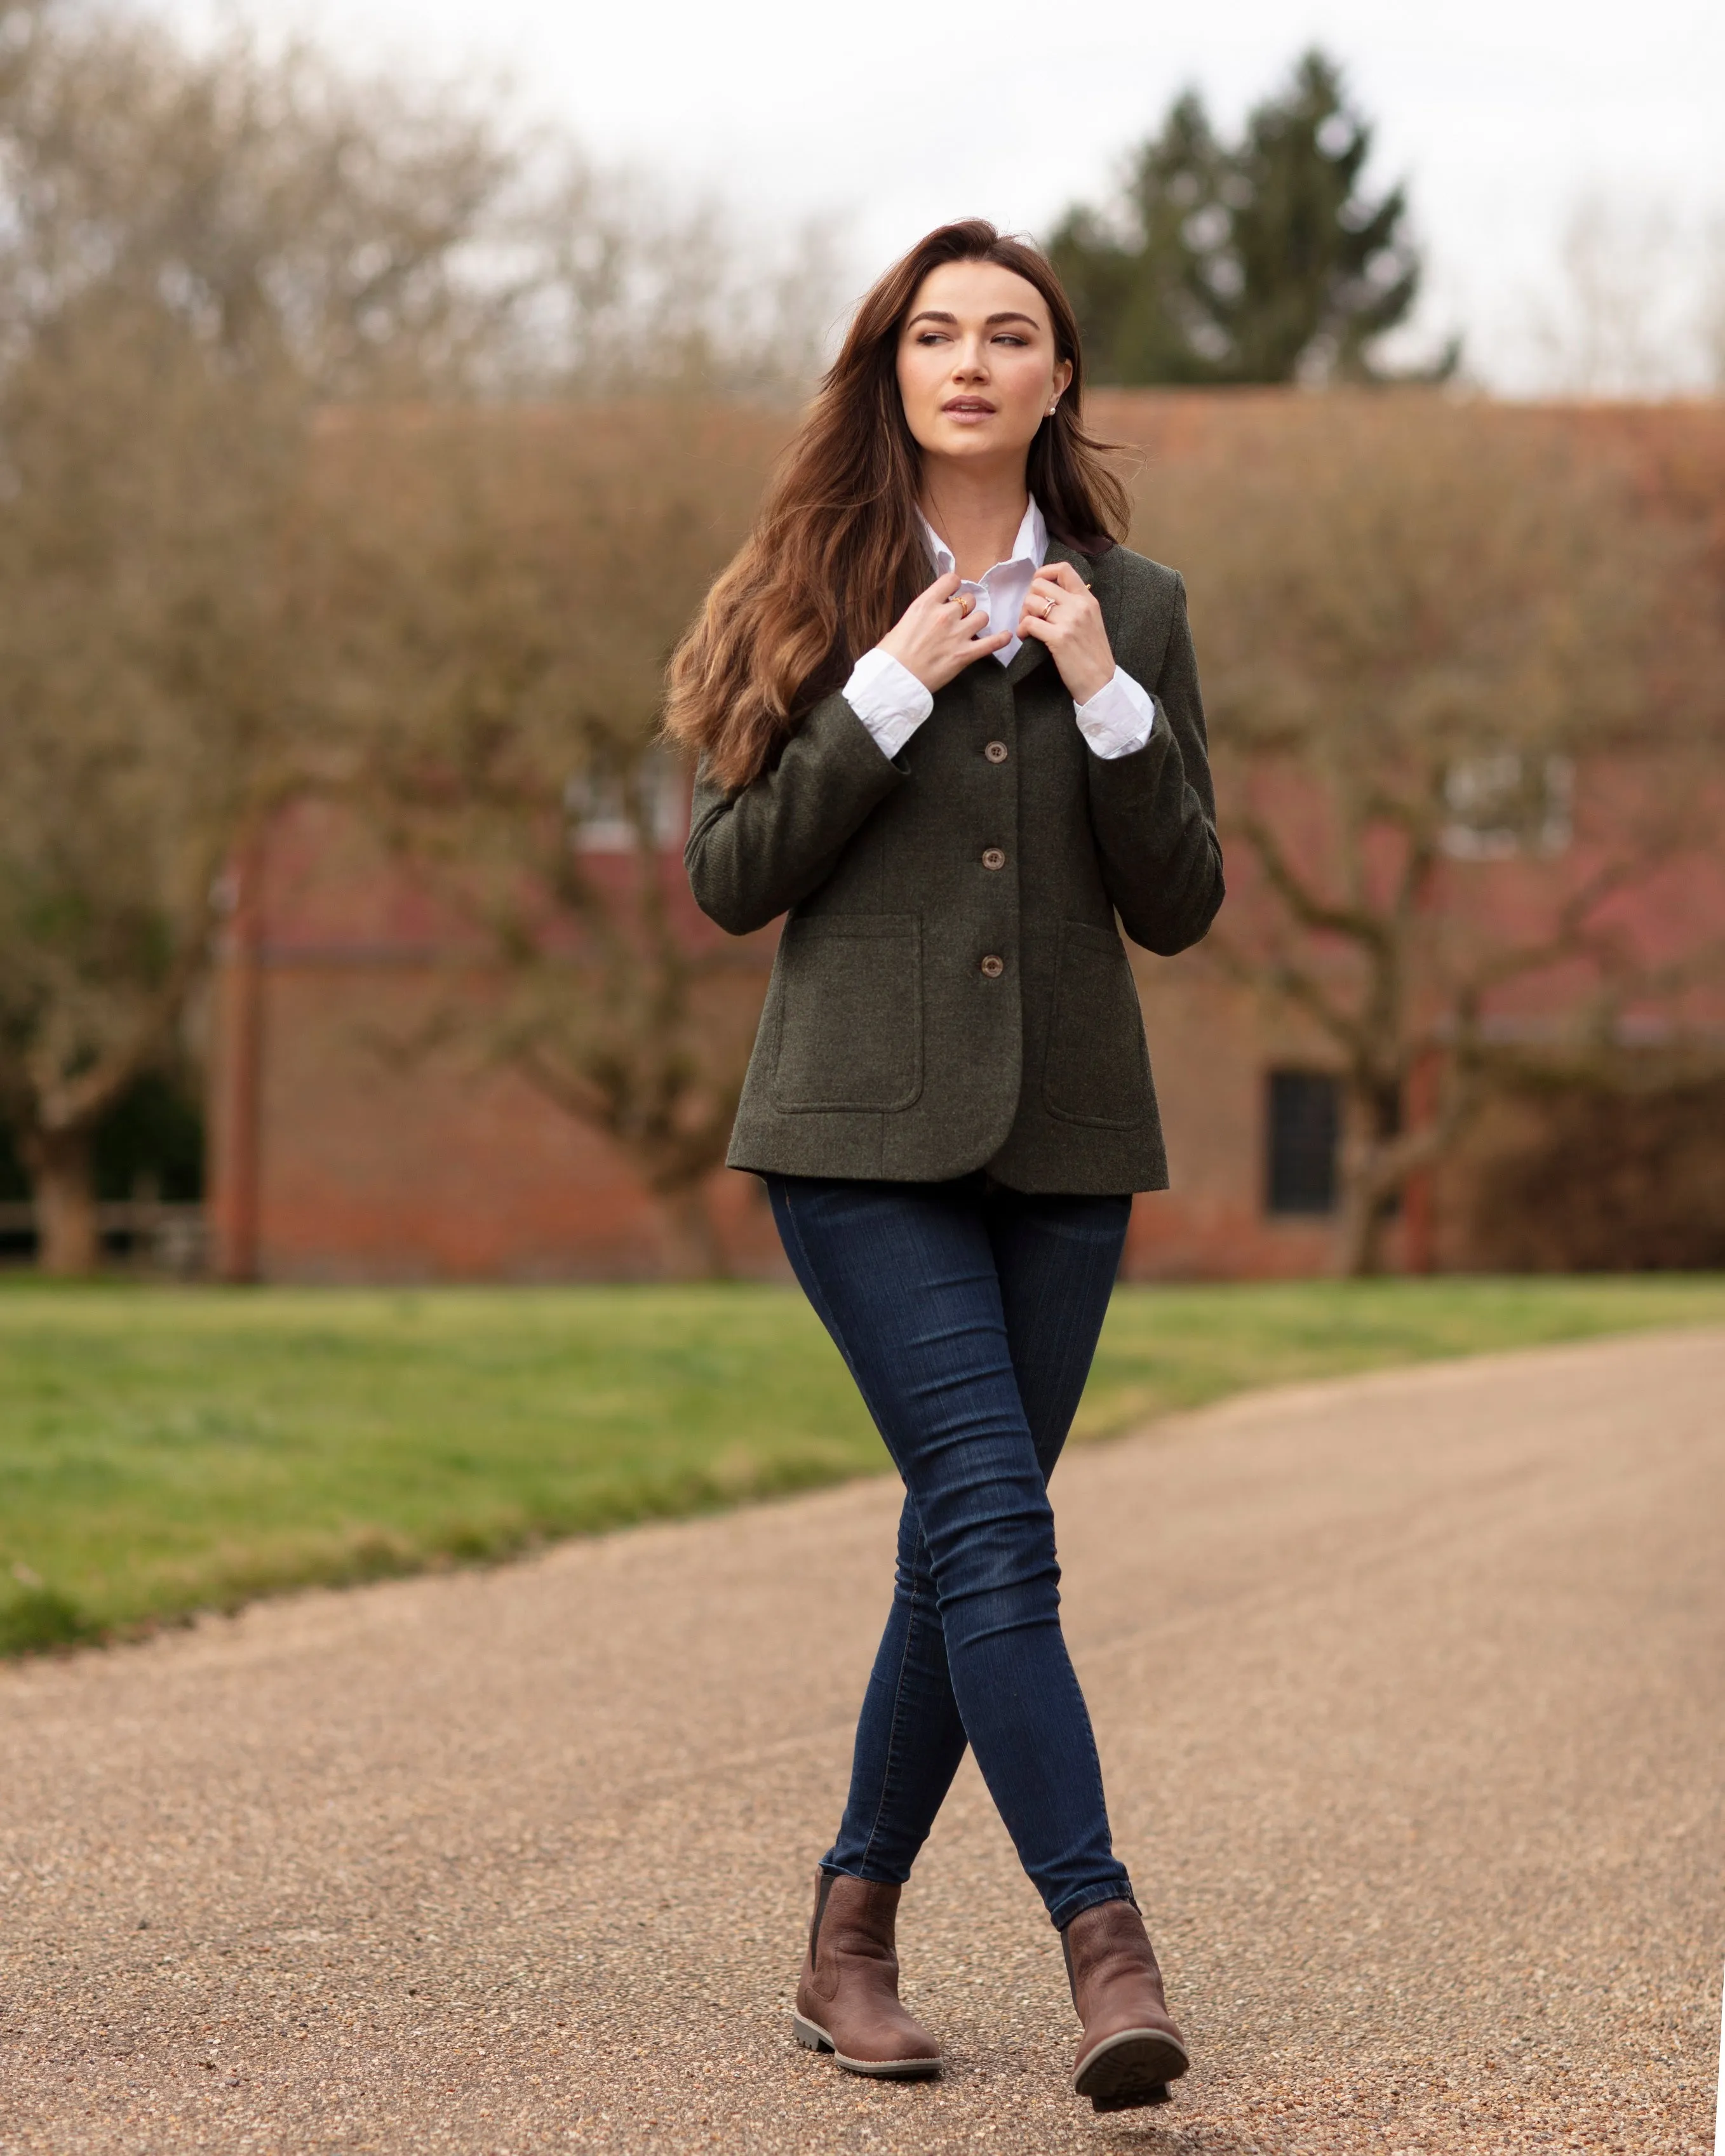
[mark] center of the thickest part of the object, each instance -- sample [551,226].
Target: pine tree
[1135,277]
[1264,261]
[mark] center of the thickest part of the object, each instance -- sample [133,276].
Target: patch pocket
[1097,1069]
[850,1004]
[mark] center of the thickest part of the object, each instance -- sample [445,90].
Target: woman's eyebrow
[940,315]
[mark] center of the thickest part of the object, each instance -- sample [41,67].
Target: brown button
[994,967]
[994,858]
[996,751]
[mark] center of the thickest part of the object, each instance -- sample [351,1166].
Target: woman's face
[977,368]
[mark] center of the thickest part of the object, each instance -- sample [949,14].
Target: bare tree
[507,591]
[198,252]
[620,292]
[1633,310]
[1460,717]
[193,250]
[284,213]
[137,635]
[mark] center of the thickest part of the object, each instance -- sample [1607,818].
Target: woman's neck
[976,513]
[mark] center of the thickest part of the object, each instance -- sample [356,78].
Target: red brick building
[340,1151]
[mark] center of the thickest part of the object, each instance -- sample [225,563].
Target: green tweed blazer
[951,991]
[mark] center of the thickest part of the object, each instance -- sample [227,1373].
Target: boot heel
[811,2038]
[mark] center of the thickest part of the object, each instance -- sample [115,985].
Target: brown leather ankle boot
[847,2002]
[1131,2048]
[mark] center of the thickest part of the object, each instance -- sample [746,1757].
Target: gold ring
[1047,608]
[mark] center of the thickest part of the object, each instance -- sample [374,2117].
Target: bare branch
[1408,606]
[1353,922]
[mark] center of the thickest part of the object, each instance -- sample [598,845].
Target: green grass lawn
[167,1450]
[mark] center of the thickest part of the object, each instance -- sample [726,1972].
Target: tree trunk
[692,1248]
[63,1187]
[1374,1117]
[1359,1239]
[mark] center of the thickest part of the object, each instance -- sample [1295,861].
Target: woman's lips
[968,408]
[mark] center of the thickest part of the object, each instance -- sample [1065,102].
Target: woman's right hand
[933,637]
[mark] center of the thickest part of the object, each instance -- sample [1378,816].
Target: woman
[952,729]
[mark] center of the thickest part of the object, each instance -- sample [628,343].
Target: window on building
[599,821]
[1500,806]
[1305,1130]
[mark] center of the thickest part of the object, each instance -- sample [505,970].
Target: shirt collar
[1031,544]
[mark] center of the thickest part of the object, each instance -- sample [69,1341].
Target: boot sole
[813,2038]
[1130,2069]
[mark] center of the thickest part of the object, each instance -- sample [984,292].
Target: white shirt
[892,703]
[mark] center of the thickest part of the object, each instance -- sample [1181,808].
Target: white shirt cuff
[888,698]
[1119,718]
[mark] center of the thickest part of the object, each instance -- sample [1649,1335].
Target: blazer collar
[1030,654]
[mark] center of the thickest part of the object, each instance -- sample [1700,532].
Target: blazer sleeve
[1154,812]
[754,854]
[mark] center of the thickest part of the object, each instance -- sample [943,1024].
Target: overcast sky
[1501,114]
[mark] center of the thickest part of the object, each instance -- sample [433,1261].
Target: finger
[1045,584]
[943,588]
[1065,575]
[981,647]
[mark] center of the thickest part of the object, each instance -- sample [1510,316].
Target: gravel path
[1410,1693]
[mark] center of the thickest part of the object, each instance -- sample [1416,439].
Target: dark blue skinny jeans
[969,1314]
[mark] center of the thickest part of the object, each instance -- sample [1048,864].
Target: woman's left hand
[1073,630]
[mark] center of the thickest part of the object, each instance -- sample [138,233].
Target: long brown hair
[835,558]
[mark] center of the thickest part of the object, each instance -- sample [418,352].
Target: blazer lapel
[1030,654]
